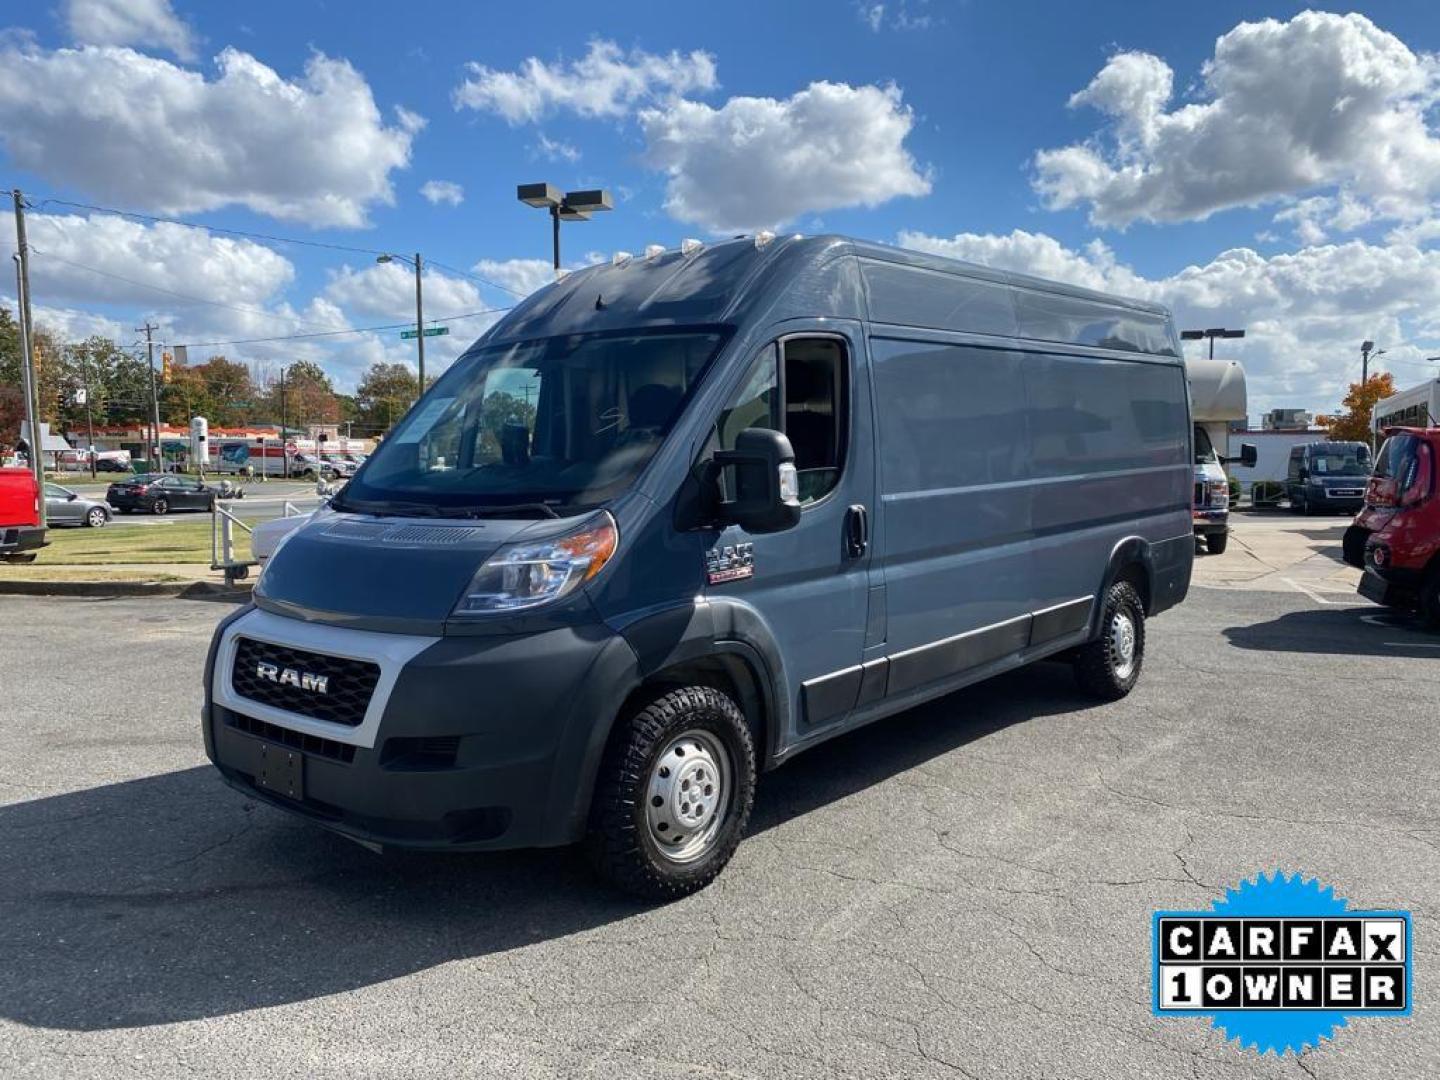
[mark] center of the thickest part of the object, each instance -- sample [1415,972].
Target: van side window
[814,390]
[811,414]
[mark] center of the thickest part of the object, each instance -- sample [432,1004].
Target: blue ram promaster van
[675,519]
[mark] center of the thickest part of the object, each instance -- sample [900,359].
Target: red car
[20,530]
[1396,536]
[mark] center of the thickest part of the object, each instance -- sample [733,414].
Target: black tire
[619,843]
[1217,542]
[1099,665]
[159,507]
[97,519]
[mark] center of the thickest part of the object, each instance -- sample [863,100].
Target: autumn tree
[1353,425]
[309,398]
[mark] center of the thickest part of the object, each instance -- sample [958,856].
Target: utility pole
[155,458]
[419,325]
[89,416]
[284,439]
[28,377]
[27,342]
[1366,347]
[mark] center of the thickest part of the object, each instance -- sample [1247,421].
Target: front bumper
[1207,522]
[470,743]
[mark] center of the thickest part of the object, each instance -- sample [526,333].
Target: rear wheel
[159,507]
[673,795]
[1217,542]
[1109,666]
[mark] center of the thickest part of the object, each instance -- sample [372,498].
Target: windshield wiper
[385,508]
[525,509]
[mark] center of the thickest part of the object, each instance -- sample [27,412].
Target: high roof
[721,282]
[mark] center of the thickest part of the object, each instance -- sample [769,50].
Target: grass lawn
[185,541]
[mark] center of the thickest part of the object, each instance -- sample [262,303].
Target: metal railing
[222,544]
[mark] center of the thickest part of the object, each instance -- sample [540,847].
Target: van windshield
[1342,461]
[563,422]
[1204,450]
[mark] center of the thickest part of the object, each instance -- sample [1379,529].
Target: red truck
[20,531]
[1396,536]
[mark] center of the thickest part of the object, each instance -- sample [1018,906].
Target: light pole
[29,383]
[572,206]
[1212,334]
[418,264]
[1367,350]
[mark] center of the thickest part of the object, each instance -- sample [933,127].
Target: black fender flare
[1131,549]
[645,646]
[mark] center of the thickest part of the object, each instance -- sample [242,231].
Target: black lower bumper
[1395,587]
[17,538]
[484,744]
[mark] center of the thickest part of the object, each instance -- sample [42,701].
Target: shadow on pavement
[172,898]
[1348,631]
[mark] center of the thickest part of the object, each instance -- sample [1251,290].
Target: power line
[268,237]
[338,333]
[171,292]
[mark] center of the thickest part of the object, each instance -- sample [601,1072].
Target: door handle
[857,531]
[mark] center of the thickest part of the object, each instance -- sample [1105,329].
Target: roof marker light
[764,239]
[620,258]
[690,246]
[654,251]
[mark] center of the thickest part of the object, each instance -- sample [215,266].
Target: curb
[186,590]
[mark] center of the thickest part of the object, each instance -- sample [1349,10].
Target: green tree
[385,392]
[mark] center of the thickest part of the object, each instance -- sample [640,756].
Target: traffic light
[165,367]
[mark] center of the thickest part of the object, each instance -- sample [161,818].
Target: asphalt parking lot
[961,891]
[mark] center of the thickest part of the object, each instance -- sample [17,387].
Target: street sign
[430,331]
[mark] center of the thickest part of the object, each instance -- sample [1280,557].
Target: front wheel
[673,795]
[96,518]
[1109,666]
[1217,542]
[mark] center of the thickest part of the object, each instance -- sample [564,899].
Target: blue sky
[927,123]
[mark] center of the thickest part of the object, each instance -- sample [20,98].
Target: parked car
[66,507]
[159,493]
[338,465]
[1327,476]
[1396,538]
[21,534]
[769,491]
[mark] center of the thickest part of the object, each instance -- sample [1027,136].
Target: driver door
[810,584]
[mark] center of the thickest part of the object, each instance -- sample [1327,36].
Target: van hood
[398,574]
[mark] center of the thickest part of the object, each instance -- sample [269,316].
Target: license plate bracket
[282,770]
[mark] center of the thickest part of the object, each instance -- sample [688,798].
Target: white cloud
[130,22]
[1320,101]
[606,82]
[556,150]
[146,133]
[163,256]
[521,277]
[443,191]
[387,291]
[758,162]
[1305,312]
[872,15]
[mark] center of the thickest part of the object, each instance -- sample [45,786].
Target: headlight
[1219,492]
[521,576]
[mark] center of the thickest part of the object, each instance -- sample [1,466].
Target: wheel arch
[1132,560]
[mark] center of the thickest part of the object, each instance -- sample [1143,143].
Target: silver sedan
[66,507]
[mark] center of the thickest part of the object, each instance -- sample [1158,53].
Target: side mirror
[755,485]
[1249,455]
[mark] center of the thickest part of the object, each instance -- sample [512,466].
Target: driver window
[797,388]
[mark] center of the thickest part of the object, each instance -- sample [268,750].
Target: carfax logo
[1280,963]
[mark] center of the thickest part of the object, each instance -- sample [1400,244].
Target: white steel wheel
[96,518]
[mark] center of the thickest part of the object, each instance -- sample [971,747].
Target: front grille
[348,683]
[296,740]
